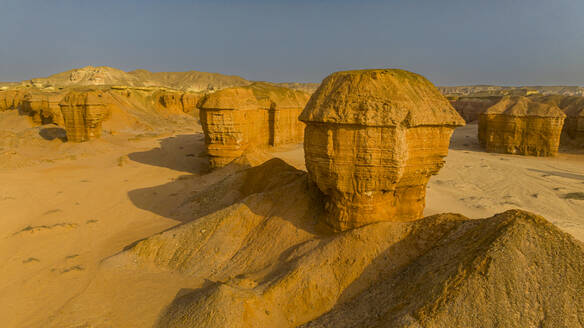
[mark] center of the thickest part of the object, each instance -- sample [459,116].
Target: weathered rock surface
[518,125]
[442,271]
[11,99]
[573,107]
[103,75]
[178,102]
[255,254]
[471,107]
[494,90]
[256,116]
[373,139]
[83,114]
[43,107]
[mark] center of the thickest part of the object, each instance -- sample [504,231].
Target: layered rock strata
[43,107]
[471,107]
[518,125]
[177,102]
[573,107]
[83,114]
[11,99]
[256,116]
[373,139]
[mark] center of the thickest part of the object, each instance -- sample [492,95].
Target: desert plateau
[412,179]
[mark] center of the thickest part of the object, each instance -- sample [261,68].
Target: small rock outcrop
[83,113]
[373,139]
[177,102]
[256,116]
[518,125]
[43,107]
[470,107]
[11,99]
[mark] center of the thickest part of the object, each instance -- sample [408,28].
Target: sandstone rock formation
[178,102]
[470,107]
[494,90]
[43,107]
[441,271]
[373,139]
[11,99]
[103,75]
[517,125]
[256,116]
[573,107]
[83,114]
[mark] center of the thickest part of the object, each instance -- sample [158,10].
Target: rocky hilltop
[372,141]
[518,125]
[192,81]
[493,90]
[256,116]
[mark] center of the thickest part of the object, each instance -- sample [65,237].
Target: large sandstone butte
[518,125]
[256,116]
[83,114]
[372,140]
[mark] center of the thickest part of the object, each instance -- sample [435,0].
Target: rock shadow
[184,153]
[52,133]
[191,196]
[466,138]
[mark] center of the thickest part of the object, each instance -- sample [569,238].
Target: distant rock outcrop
[103,75]
[573,107]
[471,107]
[11,99]
[256,116]
[178,102]
[495,90]
[83,113]
[43,107]
[518,125]
[373,139]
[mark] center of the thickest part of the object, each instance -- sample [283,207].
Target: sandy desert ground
[65,208]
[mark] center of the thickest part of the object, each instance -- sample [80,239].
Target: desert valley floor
[67,207]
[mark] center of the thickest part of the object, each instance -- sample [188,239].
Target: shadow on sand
[52,133]
[183,153]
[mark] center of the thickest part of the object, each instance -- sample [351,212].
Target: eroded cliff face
[471,107]
[373,139]
[43,107]
[177,102]
[83,114]
[11,99]
[518,125]
[257,116]
[573,107]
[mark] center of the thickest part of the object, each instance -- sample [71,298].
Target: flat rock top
[96,97]
[522,106]
[254,96]
[379,97]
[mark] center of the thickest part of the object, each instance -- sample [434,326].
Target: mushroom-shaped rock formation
[372,140]
[256,116]
[83,113]
[43,107]
[518,125]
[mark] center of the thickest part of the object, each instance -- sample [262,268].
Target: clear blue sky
[449,41]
